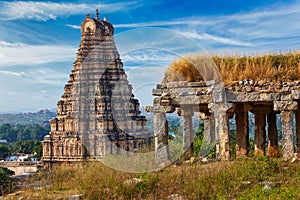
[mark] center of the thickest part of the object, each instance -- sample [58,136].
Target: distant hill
[40,117]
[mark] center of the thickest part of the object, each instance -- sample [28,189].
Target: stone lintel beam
[220,113]
[285,105]
[297,116]
[161,138]
[191,100]
[272,135]
[287,134]
[242,129]
[251,97]
[158,109]
[260,133]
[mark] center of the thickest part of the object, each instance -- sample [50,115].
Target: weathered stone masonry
[220,104]
[97,114]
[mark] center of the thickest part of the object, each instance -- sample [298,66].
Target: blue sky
[39,39]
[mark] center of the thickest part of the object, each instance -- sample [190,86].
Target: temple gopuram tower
[97,114]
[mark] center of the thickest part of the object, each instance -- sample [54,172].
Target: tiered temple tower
[97,114]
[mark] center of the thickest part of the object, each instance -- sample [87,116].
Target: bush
[6,181]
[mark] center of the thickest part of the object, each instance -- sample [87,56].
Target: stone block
[286,97]
[296,94]
[285,105]
[219,95]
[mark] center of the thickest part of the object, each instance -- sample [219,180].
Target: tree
[4,151]
[29,147]
[38,150]
[23,132]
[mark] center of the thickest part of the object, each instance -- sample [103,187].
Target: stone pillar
[208,132]
[161,137]
[187,131]
[287,134]
[297,116]
[208,128]
[287,109]
[242,130]
[260,134]
[160,132]
[222,129]
[209,140]
[272,135]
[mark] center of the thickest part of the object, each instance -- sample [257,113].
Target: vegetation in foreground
[248,178]
[6,180]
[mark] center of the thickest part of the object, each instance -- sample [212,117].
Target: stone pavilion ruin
[216,106]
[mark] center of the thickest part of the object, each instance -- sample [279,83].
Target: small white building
[21,158]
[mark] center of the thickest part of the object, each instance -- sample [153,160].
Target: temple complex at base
[97,114]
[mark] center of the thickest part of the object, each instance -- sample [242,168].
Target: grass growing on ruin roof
[276,67]
[238,179]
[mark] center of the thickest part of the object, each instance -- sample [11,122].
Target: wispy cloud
[11,73]
[174,22]
[73,26]
[205,36]
[43,11]
[24,54]
[269,12]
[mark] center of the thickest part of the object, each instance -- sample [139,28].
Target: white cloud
[194,22]
[43,11]
[11,73]
[73,26]
[205,36]
[269,12]
[48,77]
[24,54]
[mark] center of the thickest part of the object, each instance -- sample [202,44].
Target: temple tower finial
[97,14]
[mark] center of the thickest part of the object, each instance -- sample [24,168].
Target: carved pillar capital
[204,116]
[220,107]
[160,109]
[185,111]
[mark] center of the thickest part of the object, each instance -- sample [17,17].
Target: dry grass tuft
[280,67]
[183,70]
